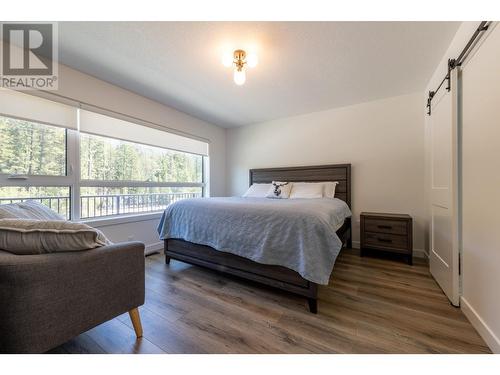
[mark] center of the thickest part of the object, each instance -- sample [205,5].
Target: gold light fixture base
[239,59]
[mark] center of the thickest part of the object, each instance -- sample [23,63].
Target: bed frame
[275,276]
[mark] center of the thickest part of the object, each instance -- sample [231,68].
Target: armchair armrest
[47,299]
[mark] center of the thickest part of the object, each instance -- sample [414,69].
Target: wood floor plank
[370,306]
[116,337]
[165,334]
[411,333]
[82,344]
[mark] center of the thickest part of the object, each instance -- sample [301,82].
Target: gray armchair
[48,299]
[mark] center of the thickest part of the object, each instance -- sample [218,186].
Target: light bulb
[239,77]
[227,60]
[252,60]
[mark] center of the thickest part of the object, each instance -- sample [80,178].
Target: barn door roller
[453,63]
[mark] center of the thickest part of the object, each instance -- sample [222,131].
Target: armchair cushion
[23,236]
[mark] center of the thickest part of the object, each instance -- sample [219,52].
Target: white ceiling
[303,66]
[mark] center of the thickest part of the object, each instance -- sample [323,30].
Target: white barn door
[444,226]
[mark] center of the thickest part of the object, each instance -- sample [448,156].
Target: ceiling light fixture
[239,61]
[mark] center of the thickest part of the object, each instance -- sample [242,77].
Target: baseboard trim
[420,253]
[480,325]
[153,248]
[417,253]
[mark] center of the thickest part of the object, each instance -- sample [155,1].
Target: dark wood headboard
[316,173]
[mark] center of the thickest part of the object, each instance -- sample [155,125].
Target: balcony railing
[108,205]
[58,204]
[92,206]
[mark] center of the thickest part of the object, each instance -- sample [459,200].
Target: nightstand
[392,233]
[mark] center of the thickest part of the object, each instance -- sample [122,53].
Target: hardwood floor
[371,306]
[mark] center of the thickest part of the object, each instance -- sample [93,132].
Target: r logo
[27,49]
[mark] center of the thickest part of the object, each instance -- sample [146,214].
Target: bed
[293,249]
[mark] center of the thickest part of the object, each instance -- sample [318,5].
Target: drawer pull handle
[384,240]
[385,226]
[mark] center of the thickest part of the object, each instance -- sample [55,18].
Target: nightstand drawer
[385,240]
[385,226]
[390,233]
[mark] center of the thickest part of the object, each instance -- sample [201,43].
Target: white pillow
[257,191]
[279,190]
[329,189]
[306,190]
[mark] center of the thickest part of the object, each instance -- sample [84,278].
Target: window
[92,173]
[34,155]
[109,166]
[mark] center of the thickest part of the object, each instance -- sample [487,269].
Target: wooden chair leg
[136,321]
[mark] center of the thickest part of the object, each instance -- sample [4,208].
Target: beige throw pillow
[26,236]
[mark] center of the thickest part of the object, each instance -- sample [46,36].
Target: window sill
[122,219]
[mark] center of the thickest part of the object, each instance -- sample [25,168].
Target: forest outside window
[84,175]
[108,159]
[30,148]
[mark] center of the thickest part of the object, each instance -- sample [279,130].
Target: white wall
[84,88]
[383,140]
[480,150]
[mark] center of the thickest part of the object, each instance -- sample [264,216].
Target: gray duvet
[295,233]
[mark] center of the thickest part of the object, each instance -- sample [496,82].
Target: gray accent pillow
[27,236]
[28,210]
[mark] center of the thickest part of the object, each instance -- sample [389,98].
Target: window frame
[73,180]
